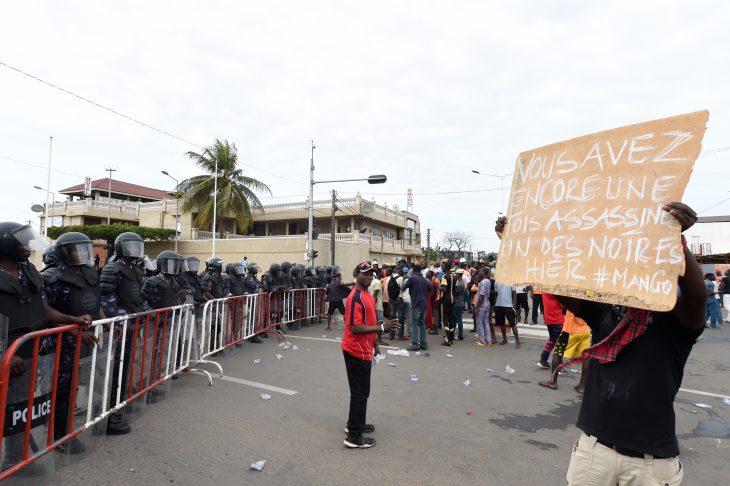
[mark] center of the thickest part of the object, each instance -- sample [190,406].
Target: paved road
[502,429]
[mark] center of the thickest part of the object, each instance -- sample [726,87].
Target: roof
[717,258]
[120,187]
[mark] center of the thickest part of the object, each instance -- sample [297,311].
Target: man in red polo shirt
[358,347]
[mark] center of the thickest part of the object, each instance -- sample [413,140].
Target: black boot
[117,425]
[255,339]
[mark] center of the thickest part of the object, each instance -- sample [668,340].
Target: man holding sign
[589,222]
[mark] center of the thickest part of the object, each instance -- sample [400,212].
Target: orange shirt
[575,325]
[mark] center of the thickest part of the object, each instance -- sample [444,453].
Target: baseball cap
[364,267]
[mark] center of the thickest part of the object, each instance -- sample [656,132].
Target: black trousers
[536,302]
[358,376]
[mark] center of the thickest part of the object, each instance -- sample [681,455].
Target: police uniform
[73,294]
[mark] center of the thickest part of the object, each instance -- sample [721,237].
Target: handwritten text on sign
[586,214]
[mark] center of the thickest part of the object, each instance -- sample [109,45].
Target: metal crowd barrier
[228,321]
[161,343]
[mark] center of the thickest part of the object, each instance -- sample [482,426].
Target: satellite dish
[37,208]
[396,207]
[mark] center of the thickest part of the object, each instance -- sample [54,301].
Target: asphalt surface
[501,429]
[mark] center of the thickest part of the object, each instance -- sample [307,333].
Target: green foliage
[110,232]
[236,192]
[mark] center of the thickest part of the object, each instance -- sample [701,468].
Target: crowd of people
[636,356]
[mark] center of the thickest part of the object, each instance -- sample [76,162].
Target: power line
[44,167]
[133,120]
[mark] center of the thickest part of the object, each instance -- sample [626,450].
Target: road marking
[707,394]
[263,386]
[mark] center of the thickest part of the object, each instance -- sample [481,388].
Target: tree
[236,191]
[457,238]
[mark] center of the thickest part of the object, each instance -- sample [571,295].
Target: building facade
[361,230]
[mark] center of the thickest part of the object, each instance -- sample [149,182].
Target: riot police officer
[72,287]
[251,284]
[212,279]
[50,258]
[285,278]
[22,302]
[190,268]
[121,294]
[321,277]
[310,277]
[272,282]
[233,279]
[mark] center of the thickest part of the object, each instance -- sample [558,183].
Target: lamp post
[52,196]
[109,169]
[501,178]
[373,179]
[177,204]
[215,204]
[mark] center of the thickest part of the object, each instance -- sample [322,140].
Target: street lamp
[177,204]
[373,179]
[501,178]
[53,200]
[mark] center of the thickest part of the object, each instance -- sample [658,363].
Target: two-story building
[363,230]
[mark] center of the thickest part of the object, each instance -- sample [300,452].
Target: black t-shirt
[726,285]
[630,403]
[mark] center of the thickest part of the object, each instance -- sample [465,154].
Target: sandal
[548,384]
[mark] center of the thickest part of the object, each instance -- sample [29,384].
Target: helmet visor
[29,238]
[132,249]
[193,265]
[240,270]
[169,266]
[76,254]
[184,266]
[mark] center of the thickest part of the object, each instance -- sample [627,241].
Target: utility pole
[109,169]
[48,187]
[310,250]
[333,226]
[428,244]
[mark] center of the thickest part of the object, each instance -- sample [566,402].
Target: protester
[481,310]
[554,319]
[536,305]
[505,310]
[638,354]
[376,289]
[418,287]
[521,292]
[358,348]
[572,341]
[711,302]
[404,304]
[461,294]
[435,303]
[724,289]
[337,292]
[448,299]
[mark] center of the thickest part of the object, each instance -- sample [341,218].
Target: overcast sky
[421,91]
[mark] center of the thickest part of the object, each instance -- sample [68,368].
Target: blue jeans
[458,314]
[718,312]
[418,327]
[710,312]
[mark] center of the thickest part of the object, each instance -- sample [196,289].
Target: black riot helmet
[75,249]
[253,269]
[309,271]
[129,244]
[275,269]
[169,262]
[286,267]
[329,269]
[50,257]
[18,239]
[296,270]
[214,263]
[193,264]
[235,269]
[321,271]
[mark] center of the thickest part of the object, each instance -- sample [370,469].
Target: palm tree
[236,192]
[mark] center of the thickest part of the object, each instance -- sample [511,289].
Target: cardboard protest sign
[585,216]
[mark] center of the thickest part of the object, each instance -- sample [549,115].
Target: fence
[113,362]
[228,321]
[52,377]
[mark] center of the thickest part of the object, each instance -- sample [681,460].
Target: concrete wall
[266,251]
[717,234]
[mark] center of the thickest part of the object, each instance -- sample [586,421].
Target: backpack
[393,289]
